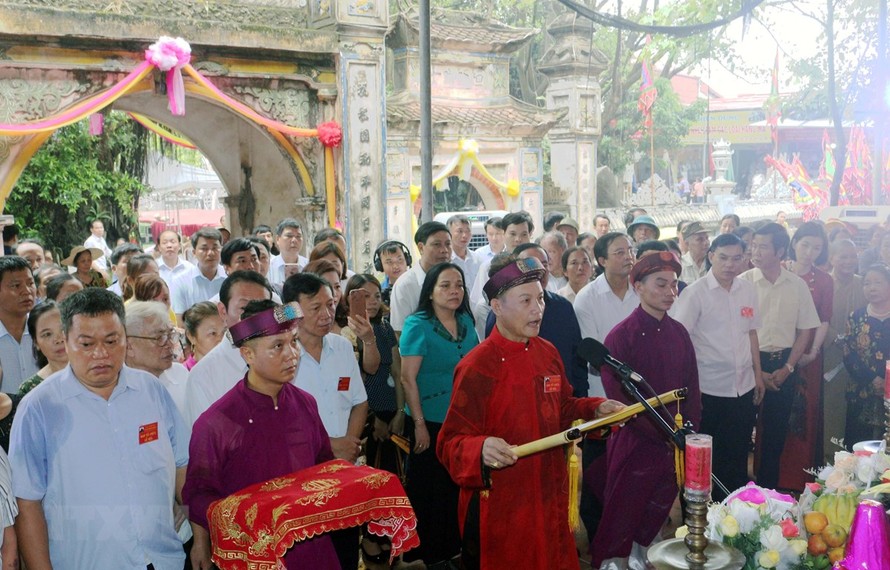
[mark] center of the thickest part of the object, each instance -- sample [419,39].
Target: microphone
[595,353]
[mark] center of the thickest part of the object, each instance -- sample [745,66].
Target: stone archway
[264,173]
[263,176]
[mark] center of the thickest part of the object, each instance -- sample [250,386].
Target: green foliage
[624,136]
[76,177]
[668,56]
[856,33]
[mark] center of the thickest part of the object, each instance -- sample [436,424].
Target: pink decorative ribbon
[170,56]
[82,109]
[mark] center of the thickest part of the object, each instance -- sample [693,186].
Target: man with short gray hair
[151,346]
[554,243]
[461,234]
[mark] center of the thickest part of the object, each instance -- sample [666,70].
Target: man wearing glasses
[99,452]
[152,345]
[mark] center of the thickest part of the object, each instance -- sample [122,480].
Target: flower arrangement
[761,524]
[827,506]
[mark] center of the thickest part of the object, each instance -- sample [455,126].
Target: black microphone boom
[596,354]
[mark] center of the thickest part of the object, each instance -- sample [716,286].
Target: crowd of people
[139,387]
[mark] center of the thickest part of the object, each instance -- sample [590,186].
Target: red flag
[648,92]
[772,106]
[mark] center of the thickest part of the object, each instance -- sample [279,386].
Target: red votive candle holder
[887,380]
[699,448]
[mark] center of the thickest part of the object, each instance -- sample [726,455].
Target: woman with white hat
[81,259]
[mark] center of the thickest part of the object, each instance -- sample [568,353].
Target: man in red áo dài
[510,390]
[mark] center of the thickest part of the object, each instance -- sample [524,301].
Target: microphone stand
[676,435]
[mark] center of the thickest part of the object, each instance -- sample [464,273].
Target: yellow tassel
[679,463]
[574,468]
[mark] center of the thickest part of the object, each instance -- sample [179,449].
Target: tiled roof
[513,113]
[468,27]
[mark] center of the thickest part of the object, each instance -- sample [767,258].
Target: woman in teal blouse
[433,341]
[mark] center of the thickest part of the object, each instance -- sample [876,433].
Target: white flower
[772,539]
[746,515]
[836,480]
[716,514]
[845,461]
[825,472]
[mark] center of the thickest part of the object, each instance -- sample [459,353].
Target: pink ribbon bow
[171,55]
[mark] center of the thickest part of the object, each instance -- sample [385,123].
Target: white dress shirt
[335,382]
[719,323]
[99,243]
[213,376]
[16,360]
[405,296]
[276,269]
[169,274]
[554,284]
[174,380]
[691,272]
[193,287]
[598,310]
[470,266]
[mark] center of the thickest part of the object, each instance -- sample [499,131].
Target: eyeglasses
[162,339]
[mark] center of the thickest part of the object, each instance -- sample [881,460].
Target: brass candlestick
[696,523]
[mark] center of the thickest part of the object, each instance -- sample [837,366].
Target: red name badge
[748,312]
[343,384]
[551,384]
[148,433]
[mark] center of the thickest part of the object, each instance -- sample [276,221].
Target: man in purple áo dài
[264,427]
[641,483]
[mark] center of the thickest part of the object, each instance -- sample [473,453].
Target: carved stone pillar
[362,192]
[572,67]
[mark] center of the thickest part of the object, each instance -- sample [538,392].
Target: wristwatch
[790,368]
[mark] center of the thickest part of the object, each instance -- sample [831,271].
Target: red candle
[698,462]
[887,380]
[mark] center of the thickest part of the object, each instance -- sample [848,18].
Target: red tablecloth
[254,527]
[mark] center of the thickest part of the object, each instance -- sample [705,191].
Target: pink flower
[813,487]
[789,529]
[863,453]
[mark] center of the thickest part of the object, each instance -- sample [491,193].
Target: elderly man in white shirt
[722,314]
[433,241]
[223,367]
[461,234]
[693,261]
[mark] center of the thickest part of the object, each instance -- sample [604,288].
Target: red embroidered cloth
[254,527]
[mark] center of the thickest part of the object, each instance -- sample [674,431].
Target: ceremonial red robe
[641,482]
[518,392]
